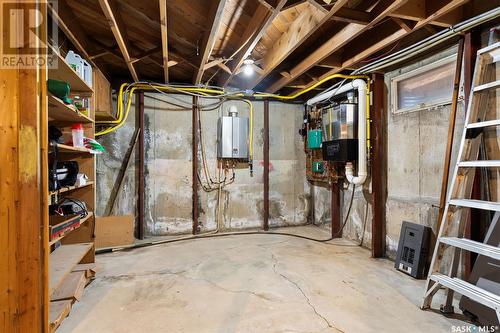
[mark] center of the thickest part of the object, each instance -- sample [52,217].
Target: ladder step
[480,164]
[479,204]
[472,246]
[488,123]
[469,290]
[487,86]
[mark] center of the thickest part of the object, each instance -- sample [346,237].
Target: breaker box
[413,249]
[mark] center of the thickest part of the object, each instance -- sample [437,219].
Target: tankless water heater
[232,136]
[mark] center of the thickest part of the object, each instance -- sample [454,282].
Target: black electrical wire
[241,233]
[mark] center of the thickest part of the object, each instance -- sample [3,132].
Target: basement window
[425,87]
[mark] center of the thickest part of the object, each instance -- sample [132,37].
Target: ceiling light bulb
[248,70]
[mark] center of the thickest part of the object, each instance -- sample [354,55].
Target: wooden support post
[23,183]
[451,132]
[335,210]
[195,200]
[379,169]
[141,194]
[266,165]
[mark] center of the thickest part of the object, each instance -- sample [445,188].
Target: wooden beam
[387,41]
[446,15]
[215,18]
[447,8]
[64,17]
[403,24]
[147,54]
[24,188]
[350,15]
[380,45]
[252,35]
[292,3]
[110,10]
[340,39]
[318,6]
[164,37]
[309,21]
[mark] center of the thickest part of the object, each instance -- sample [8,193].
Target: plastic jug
[87,73]
[75,61]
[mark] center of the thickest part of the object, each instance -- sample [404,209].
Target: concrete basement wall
[169,168]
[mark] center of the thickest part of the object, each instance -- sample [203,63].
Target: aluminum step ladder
[458,197]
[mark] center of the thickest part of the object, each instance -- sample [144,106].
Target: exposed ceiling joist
[215,16]
[147,53]
[403,24]
[418,11]
[380,45]
[318,5]
[252,35]
[164,37]
[387,41]
[110,10]
[292,3]
[309,20]
[350,15]
[350,31]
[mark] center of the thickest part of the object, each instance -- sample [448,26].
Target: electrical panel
[232,136]
[413,249]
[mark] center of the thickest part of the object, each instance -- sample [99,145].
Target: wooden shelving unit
[82,221]
[71,188]
[61,113]
[64,72]
[75,245]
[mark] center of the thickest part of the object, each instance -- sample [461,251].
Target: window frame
[395,80]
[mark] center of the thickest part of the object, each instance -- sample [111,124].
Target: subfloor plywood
[259,283]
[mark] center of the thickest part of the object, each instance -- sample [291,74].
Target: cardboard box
[114,231]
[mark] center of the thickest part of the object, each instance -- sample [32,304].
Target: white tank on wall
[232,136]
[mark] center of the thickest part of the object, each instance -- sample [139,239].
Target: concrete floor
[254,283]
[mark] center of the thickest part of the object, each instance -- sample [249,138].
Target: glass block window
[425,87]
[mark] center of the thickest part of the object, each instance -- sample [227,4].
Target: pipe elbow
[356,180]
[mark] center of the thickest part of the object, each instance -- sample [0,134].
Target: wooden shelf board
[70,149]
[58,310]
[72,188]
[63,260]
[82,221]
[64,72]
[63,113]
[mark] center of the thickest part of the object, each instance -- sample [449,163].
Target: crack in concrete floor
[308,300]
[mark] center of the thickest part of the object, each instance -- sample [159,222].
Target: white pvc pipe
[360,85]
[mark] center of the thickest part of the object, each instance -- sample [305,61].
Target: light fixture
[248,69]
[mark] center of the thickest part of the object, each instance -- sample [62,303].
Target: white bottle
[87,73]
[77,134]
[75,61]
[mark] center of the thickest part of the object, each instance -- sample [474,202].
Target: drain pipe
[361,86]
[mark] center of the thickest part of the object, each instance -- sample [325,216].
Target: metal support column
[379,167]
[140,194]
[195,129]
[266,165]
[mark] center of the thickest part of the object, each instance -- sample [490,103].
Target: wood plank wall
[22,263]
